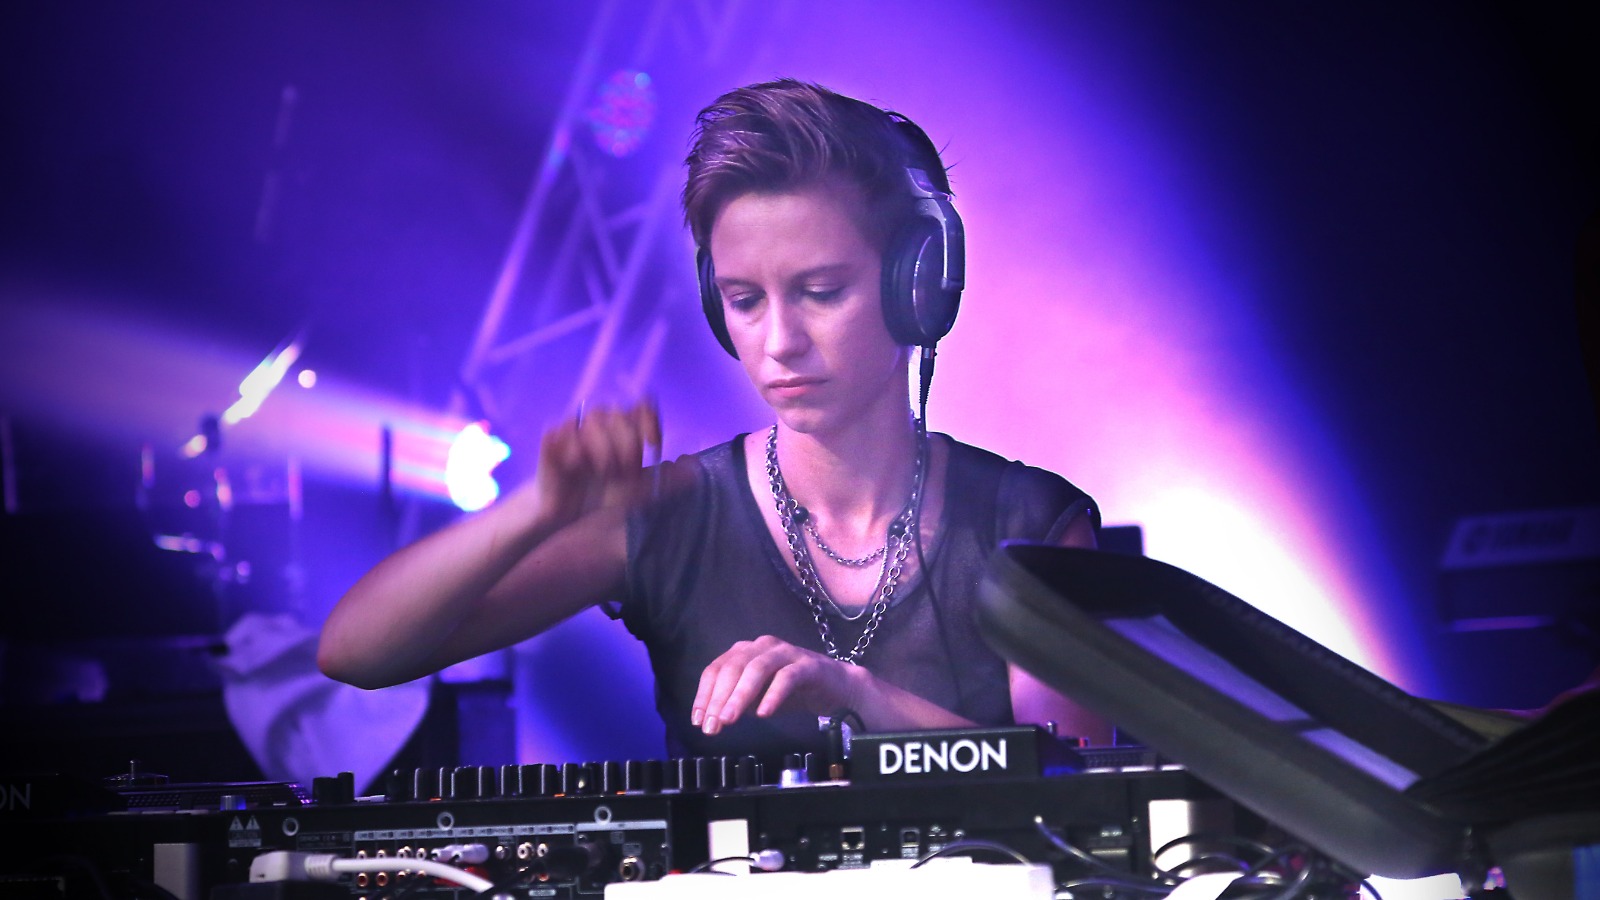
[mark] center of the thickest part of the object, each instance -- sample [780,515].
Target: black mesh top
[703,573]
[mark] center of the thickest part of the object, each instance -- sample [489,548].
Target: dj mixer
[570,830]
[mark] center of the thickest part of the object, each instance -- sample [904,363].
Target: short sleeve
[663,540]
[1036,505]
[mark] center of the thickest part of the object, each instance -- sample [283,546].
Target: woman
[780,576]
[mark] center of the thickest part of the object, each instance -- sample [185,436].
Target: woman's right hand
[596,461]
[543,553]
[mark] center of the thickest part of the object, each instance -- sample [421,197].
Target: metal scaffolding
[575,312]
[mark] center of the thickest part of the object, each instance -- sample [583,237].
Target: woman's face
[800,293]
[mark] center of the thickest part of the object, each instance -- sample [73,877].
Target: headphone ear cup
[711,300]
[917,309]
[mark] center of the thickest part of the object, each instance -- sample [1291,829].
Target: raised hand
[597,460]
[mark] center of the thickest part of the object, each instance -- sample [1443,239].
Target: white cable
[426,866]
[458,854]
[281,865]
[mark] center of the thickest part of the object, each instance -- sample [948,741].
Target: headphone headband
[924,262]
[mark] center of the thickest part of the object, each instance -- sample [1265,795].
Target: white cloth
[297,722]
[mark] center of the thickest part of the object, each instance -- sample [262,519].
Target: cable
[1259,874]
[1152,888]
[1182,871]
[1216,838]
[1095,862]
[456,854]
[834,731]
[769,860]
[411,885]
[925,377]
[282,865]
[938,619]
[1257,880]
[1203,837]
[521,879]
[1296,887]
[916,541]
[705,868]
[969,845]
[442,871]
[845,712]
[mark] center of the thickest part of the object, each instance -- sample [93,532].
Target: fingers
[611,439]
[596,458]
[611,442]
[716,683]
[560,455]
[648,416]
[766,675]
[619,438]
[733,682]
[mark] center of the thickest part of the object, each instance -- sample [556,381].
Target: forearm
[401,619]
[540,555]
[885,707]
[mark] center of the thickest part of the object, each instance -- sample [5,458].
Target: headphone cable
[925,373]
[925,376]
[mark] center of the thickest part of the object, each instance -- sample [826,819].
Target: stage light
[469,467]
[261,381]
[622,114]
[307,378]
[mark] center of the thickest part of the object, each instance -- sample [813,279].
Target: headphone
[924,262]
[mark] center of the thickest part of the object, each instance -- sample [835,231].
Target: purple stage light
[622,114]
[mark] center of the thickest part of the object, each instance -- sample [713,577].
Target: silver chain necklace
[853,562]
[902,532]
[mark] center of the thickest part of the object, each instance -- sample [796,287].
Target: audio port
[363,879]
[382,854]
[524,850]
[403,853]
[500,851]
[381,879]
[361,854]
[631,869]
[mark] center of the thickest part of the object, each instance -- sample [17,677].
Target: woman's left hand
[769,675]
